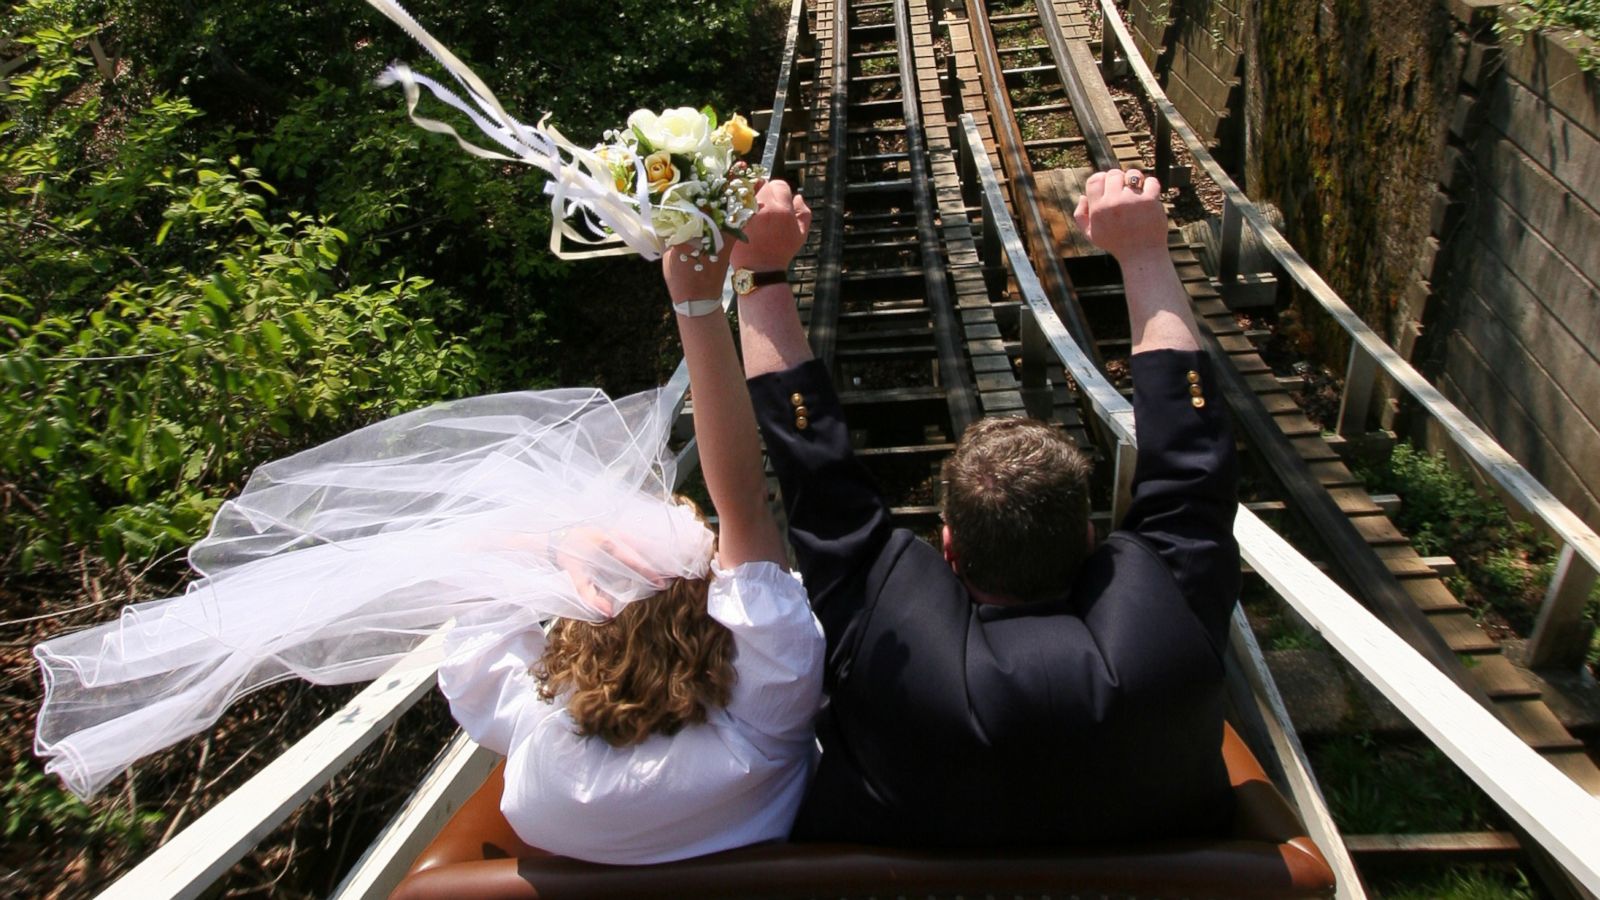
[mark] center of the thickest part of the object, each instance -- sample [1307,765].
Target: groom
[1020,684]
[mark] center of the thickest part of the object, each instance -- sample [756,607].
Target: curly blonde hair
[659,665]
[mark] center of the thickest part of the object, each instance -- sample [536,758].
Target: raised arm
[837,518]
[769,325]
[1122,213]
[1185,486]
[724,422]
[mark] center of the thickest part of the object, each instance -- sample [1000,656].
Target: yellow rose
[740,132]
[658,168]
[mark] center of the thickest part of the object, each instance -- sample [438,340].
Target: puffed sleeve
[779,648]
[491,688]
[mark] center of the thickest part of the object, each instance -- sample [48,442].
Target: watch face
[743,281]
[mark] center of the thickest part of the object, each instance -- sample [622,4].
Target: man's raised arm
[837,519]
[1185,487]
[1122,213]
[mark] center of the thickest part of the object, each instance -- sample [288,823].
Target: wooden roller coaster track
[940,284]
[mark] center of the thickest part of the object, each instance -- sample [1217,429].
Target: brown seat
[1268,855]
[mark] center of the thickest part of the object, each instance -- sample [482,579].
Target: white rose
[676,225]
[682,131]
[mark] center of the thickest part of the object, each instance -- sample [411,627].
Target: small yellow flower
[658,168]
[620,164]
[740,132]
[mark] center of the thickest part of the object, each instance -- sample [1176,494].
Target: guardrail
[188,864]
[1554,811]
[1561,634]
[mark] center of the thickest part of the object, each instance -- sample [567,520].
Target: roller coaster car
[1268,855]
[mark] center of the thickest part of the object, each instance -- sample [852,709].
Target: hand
[579,551]
[777,231]
[679,263]
[1121,219]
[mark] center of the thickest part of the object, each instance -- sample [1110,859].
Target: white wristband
[695,308]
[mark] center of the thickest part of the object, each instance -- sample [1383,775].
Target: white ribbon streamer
[580,183]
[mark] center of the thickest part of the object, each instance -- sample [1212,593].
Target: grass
[1455,883]
[1503,565]
[1395,787]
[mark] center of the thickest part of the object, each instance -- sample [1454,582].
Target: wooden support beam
[1562,633]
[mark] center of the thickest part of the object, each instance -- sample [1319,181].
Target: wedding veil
[335,562]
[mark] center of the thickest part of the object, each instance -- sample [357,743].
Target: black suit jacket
[1095,717]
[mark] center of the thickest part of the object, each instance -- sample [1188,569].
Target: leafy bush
[1503,564]
[223,244]
[163,327]
[36,808]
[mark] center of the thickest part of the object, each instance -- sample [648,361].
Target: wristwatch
[745,281]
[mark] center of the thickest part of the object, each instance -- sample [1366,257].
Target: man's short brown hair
[1016,498]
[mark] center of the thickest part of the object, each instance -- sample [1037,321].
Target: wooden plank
[1567,402]
[1461,632]
[1566,219]
[1570,154]
[1502,679]
[1448,848]
[1565,325]
[1552,71]
[1429,593]
[1537,265]
[1472,377]
[1061,190]
[1540,729]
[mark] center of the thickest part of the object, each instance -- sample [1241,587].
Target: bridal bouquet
[688,166]
[666,178]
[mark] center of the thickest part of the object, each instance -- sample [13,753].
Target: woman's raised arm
[724,422]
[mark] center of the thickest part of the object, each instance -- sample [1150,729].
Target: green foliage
[1502,563]
[1294,638]
[37,810]
[1458,882]
[1384,787]
[163,327]
[235,246]
[1582,16]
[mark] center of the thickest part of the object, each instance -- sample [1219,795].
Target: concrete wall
[1444,179]
[1197,49]
[1512,332]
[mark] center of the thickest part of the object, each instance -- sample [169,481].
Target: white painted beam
[187,865]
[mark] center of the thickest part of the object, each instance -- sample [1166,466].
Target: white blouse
[736,779]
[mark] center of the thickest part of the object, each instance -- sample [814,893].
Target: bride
[651,685]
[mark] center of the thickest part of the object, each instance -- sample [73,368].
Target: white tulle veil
[335,562]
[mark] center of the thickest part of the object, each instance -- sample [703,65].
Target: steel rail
[953,374]
[1035,231]
[824,322]
[1560,616]
[1096,141]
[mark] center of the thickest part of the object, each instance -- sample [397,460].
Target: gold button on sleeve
[801,422]
[1194,390]
[800,412]
[1199,402]
[1194,377]
[797,400]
